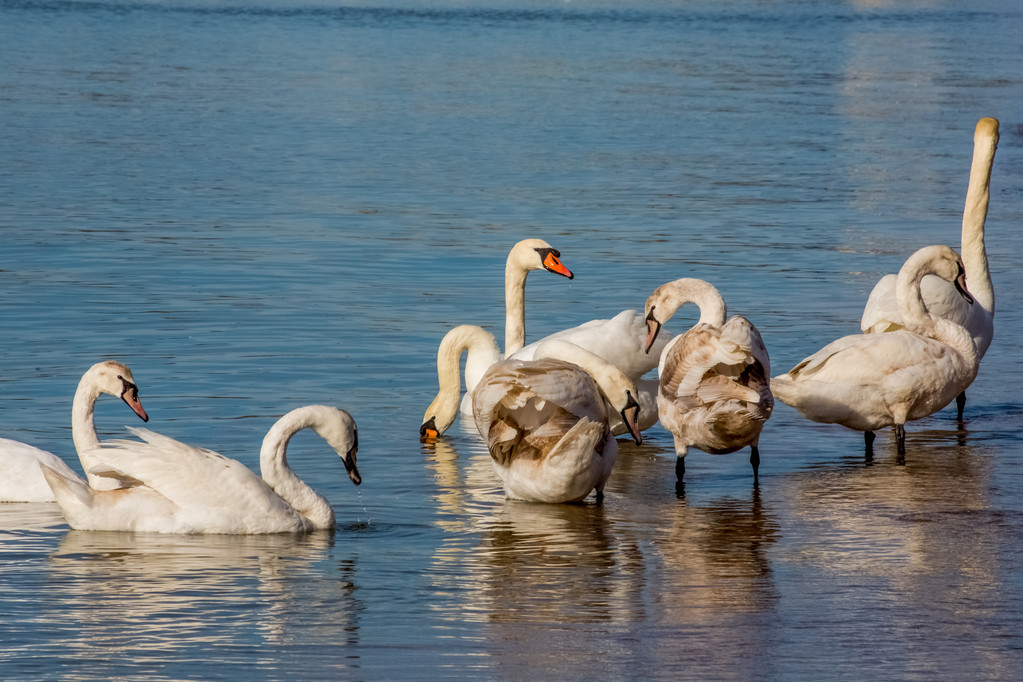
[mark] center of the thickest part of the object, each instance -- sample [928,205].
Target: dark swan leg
[680,472]
[868,441]
[754,460]
[960,405]
[600,496]
[900,444]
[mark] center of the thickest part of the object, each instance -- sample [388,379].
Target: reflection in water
[142,597]
[920,542]
[716,554]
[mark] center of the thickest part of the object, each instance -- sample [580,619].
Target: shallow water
[259,205]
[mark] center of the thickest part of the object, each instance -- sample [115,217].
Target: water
[259,205]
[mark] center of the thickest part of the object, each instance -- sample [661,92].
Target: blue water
[260,205]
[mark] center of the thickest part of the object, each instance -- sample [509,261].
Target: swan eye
[127,386]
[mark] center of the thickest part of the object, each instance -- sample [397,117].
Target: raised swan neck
[978,194]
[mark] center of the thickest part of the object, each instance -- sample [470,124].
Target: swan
[881,313]
[476,343]
[546,424]
[21,479]
[184,489]
[714,392]
[613,339]
[869,381]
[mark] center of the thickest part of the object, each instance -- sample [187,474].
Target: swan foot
[960,405]
[754,460]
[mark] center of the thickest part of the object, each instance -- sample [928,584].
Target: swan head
[338,428]
[630,417]
[653,328]
[114,378]
[536,254]
[938,260]
[960,282]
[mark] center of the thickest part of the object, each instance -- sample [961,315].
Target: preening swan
[194,490]
[615,339]
[881,313]
[868,381]
[21,479]
[714,387]
[546,424]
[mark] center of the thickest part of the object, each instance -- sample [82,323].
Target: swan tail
[70,491]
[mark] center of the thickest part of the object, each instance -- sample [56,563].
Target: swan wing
[706,364]
[867,358]
[195,479]
[523,409]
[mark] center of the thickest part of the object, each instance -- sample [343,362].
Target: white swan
[21,479]
[868,381]
[881,314]
[615,339]
[546,424]
[183,489]
[714,379]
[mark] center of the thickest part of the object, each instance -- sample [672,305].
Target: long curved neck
[978,194]
[83,430]
[704,294]
[463,338]
[514,306]
[273,466]
[918,320]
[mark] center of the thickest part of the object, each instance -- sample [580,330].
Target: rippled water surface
[260,205]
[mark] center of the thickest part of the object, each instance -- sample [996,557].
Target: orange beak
[553,264]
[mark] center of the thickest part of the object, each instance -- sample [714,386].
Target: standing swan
[868,381]
[21,479]
[194,490]
[546,424]
[714,388]
[881,313]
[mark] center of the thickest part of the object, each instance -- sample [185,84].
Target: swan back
[617,388]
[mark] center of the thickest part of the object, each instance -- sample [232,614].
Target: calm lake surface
[261,205]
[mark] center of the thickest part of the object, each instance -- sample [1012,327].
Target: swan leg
[600,494]
[754,460]
[960,405]
[680,468]
[900,444]
[868,442]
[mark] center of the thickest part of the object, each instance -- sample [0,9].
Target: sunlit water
[263,205]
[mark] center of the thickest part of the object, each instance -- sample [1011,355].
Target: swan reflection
[144,593]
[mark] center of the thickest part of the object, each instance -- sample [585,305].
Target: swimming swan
[546,424]
[869,381]
[184,489]
[714,388]
[21,479]
[881,313]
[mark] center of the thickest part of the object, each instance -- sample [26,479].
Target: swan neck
[978,195]
[463,338]
[83,425]
[703,294]
[514,307]
[273,466]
